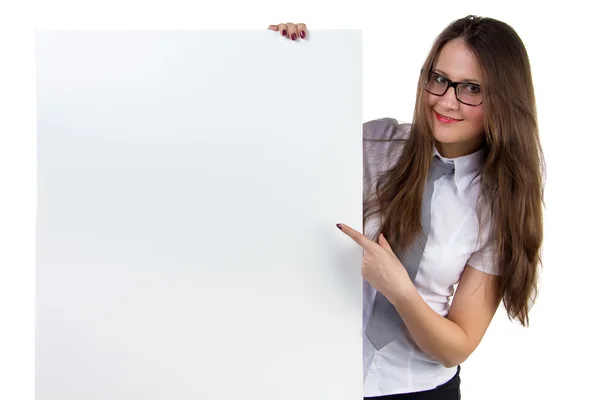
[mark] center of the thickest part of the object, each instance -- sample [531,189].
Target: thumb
[384,243]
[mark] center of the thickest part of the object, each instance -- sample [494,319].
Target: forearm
[437,336]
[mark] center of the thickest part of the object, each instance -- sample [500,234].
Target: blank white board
[189,183]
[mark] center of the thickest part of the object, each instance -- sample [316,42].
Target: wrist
[403,294]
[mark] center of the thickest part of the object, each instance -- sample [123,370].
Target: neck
[455,150]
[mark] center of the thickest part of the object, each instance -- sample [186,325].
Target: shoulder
[385,129]
[383,142]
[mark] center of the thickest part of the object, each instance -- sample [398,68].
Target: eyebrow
[439,71]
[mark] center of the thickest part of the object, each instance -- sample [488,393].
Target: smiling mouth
[445,119]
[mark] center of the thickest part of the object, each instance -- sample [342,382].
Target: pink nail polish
[339,226]
[294,36]
[303,34]
[284,33]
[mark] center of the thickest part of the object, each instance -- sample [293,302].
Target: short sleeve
[484,258]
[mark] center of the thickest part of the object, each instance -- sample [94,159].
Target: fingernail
[302,34]
[339,226]
[294,36]
[284,33]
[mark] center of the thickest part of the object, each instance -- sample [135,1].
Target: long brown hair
[512,178]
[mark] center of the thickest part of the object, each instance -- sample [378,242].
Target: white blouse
[401,366]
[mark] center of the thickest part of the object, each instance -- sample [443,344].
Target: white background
[556,357]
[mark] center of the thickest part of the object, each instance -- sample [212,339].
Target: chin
[446,134]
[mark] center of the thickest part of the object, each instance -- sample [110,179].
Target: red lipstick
[444,119]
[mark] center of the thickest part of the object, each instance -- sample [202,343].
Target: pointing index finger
[358,237]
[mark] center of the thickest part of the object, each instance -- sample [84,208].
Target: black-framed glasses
[465,92]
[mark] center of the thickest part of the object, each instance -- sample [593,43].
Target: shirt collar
[465,167]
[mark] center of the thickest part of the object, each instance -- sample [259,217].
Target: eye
[473,89]
[440,79]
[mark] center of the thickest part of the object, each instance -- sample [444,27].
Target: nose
[449,100]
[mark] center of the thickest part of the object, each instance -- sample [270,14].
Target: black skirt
[447,391]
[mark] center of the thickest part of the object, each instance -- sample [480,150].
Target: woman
[453,198]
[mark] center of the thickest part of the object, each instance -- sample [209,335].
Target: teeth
[448,118]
